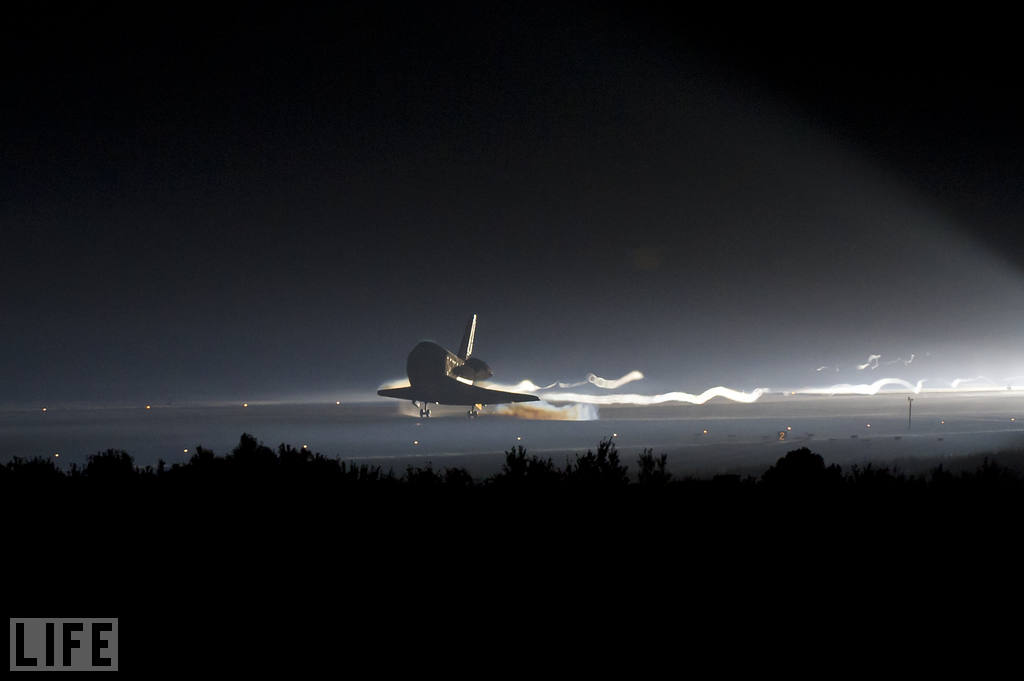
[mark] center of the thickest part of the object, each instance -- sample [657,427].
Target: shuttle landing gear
[424,409]
[472,413]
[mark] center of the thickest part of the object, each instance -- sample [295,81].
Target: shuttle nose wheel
[472,413]
[424,409]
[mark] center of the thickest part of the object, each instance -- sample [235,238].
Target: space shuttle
[440,376]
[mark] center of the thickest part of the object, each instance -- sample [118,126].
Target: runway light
[942,422]
[519,437]
[1012,419]
[415,442]
[147,406]
[788,428]
[705,431]
[305,446]
[44,409]
[245,404]
[615,434]
[57,454]
[186,451]
[338,403]
[869,425]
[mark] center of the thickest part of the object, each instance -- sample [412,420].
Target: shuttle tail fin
[466,347]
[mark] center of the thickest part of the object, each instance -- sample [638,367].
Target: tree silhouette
[598,471]
[652,471]
[522,470]
[802,469]
[110,466]
[252,455]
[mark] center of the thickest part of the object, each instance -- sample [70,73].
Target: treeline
[253,463]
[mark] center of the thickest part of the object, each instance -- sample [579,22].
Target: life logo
[63,644]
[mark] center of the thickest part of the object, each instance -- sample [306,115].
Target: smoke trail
[862,388]
[872,362]
[541,411]
[626,399]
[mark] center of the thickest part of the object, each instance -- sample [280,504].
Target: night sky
[201,206]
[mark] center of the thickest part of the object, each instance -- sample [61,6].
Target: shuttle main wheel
[472,413]
[424,413]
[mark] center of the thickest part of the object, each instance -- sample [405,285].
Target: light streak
[529,386]
[957,382]
[872,362]
[633,399]
[862,388]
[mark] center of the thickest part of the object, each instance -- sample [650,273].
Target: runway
[717,437]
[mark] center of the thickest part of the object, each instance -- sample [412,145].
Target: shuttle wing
[399,393]
[450,391]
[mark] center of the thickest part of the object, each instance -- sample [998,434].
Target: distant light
[415,442]
[942,422]
[705,431]
[44,408]
[519,437]
[869,425]
[147,406]
[615,434]
[186,451]
[789,427]
[57,454]
[305,446]
[1012,419]
[245,404]
[338,403]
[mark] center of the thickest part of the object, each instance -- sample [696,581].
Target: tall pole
[910,411]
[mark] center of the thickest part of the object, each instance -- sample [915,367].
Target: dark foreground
[287,557]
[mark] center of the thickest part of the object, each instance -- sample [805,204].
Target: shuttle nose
[426,362]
